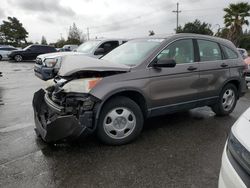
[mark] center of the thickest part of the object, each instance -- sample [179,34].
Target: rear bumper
[53,124]
[247,74]
[44,73]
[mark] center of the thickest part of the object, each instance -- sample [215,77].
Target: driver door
[172,89]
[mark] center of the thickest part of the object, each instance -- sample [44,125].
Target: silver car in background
[47,65]
[5,51]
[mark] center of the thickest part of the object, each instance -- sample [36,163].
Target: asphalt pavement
[177,150]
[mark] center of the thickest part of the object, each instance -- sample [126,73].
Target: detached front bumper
[54,124]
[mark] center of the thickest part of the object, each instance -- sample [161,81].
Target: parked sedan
[30,52]
[142,78]
[235,167]
[5,51]
[47,65]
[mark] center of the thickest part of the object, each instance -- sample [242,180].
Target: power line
[177,11]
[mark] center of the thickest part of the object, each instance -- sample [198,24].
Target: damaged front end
[62,114]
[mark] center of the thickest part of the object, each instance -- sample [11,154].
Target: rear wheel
[227,100]
[18,58]
[1,57]
[120,122]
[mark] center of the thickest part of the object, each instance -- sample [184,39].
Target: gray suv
[147,77]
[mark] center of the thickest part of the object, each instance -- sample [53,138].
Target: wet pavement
[178,150]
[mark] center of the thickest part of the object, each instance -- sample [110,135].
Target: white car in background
[47,65]
[5,51]
[235,167]
[243,52]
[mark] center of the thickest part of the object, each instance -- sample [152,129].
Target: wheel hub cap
[228,99]
[119,123]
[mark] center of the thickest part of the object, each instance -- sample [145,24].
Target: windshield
[87,47]
[27,47]
[133,52]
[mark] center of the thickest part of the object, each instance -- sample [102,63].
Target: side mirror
[99,51]
[165,62]
[28,49]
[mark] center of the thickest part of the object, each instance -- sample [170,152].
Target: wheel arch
[235,81]
[133,94]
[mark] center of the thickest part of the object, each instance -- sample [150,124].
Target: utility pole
[87,33]
[177,11]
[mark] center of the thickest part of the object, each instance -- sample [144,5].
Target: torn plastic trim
[54,126]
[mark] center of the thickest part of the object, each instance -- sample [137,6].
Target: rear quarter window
[230,54]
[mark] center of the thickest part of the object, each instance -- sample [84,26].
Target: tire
[224,107]
[120,121]
[18,58]
[1,58]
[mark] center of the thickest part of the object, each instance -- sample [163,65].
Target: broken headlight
[239,152]
[50,62]
[83,85]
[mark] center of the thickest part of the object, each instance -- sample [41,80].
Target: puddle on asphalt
[16,127]
[17,69]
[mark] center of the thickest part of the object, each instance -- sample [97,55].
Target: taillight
[245,68]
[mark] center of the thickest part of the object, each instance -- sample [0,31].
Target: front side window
[28,47]
[209,51]
[108,46]
[182,51]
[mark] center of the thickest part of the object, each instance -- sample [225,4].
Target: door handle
[223,65]
[191,68]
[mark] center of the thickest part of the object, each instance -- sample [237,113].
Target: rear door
[214,69]
[173,89]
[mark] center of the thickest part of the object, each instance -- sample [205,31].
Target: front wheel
[18,58]
[227,101]
[120,122]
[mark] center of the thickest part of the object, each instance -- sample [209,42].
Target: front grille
[247,74]
[39,61]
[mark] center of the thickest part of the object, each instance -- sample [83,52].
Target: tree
[245,40]
[235,18]
[74,36]
[222,32]
[151,33]
[13,32]
[44,41]
[196,27]
[60,43]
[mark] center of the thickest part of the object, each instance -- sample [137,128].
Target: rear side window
[209,51]
[182,51]
[230,54]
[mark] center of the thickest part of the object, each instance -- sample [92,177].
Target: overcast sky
[109,18]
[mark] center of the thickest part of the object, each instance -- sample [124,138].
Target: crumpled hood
[59,54]
[72,64]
